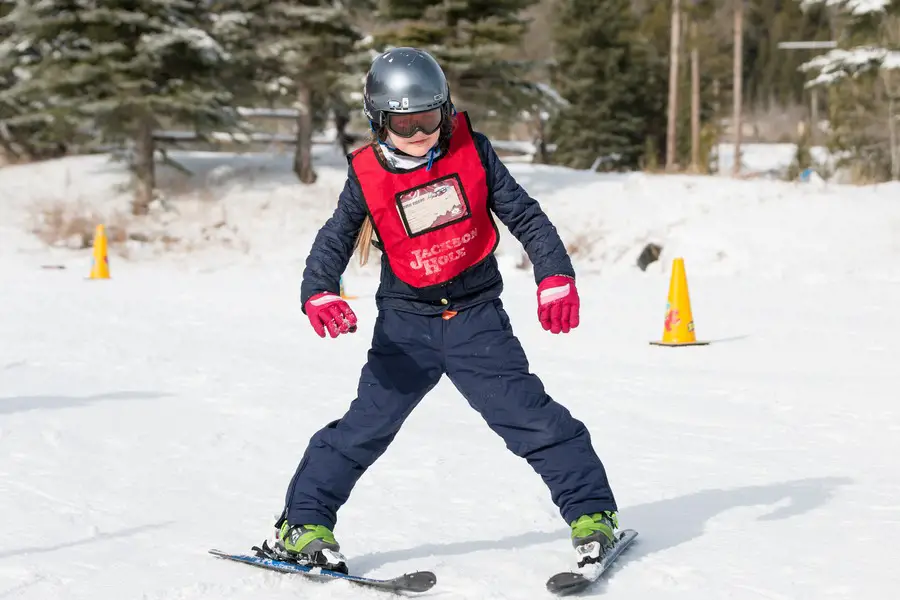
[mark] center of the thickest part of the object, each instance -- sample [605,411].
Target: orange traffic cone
[678,328]
[100,261]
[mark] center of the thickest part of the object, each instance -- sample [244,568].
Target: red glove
[558,303]
[328,310]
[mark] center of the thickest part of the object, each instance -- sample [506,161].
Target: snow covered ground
[147,418]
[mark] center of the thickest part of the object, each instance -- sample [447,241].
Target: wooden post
[303,166]
[737,76]
[673,84]
[814,116]
[695,100]
[144,165]
[892,127]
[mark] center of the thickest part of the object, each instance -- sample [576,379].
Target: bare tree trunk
[814,116]
[540,155]
[889,36]
[10,151]
[674,54]
[303,150]
[892,129]
[6,151]
[717,117]
[717,104]
[695,101]
[144,167]
[341,120]
[737,75]
[6,155]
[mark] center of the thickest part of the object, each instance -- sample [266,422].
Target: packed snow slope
[147,418]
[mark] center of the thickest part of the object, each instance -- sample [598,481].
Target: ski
[419,581]
[569,582]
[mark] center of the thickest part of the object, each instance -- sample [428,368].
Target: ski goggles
[406,125]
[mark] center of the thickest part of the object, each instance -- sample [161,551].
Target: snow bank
[249,207]
[726,227]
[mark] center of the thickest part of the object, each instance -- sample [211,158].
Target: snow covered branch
[190,36]
[840,63]
[854,7]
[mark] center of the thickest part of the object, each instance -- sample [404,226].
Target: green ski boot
[593,536]
[312,545]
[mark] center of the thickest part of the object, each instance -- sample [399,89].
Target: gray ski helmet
[404,80]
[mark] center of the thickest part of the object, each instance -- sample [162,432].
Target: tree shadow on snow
[661,525]
[15,404]
[99,537]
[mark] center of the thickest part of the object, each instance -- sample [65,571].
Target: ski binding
[570,582]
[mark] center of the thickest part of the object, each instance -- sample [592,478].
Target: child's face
[417,145]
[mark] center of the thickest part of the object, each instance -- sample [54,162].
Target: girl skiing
[427,187]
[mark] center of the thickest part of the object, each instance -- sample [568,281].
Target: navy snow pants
[485,361]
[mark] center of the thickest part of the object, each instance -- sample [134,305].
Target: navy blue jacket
[333,247]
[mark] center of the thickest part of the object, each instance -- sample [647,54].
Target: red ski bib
[434,224]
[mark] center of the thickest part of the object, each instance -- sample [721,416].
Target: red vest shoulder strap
[354,153]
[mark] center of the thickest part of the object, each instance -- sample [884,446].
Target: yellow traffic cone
[678,328]
[100,260]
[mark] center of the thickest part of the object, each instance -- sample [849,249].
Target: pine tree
[122,68]
[612,82]
[27,132]
[863,79]
[235,25]
[472,41]
[8,61]
[297,49]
